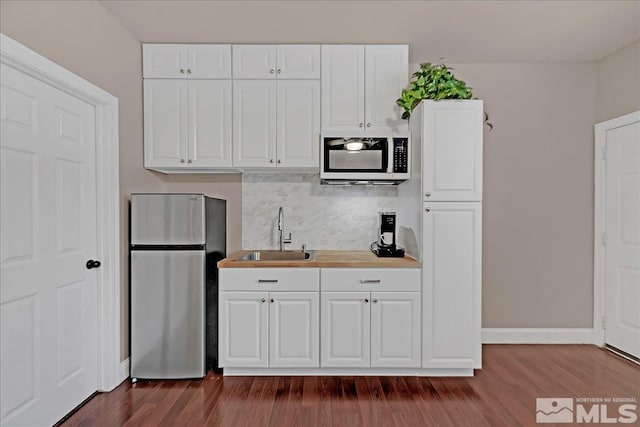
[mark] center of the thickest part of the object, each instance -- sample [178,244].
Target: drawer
[370,279]
[269,279]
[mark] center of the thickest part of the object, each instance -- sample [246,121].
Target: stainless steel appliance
[176,241]
[386,244]
[365,160]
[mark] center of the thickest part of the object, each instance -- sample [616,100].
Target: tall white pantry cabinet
[446,220]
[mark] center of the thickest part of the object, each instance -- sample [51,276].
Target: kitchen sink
[277,256]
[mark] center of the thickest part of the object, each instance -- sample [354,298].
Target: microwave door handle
[390,155]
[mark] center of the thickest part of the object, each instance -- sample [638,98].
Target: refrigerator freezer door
[167,314]
[167,219]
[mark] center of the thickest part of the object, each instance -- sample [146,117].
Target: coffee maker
[386,244]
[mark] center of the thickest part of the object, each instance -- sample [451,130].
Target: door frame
[25,60]
[599,219]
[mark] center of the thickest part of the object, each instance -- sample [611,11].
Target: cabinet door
[298,61]
[165,123]
[164,61]
[387,73]
[254,123]
[294,330]
[343,88]
[395,329]
[209,123]
[345,331]
[452,150]
[451,280]
[254,62]
[298,123]
[209,61]
[243,329]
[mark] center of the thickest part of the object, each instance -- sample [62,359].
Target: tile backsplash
[320,216]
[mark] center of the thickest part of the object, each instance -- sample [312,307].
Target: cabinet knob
[375,300]
[368,125]
[271,301]
[189,71]
[279,161]
[427,194]
[279,71]
[181,160]
[361,125]
[189,161]
[366,300]
[182,70]
[427,210]
[270,160]
[272,71]
[263,300]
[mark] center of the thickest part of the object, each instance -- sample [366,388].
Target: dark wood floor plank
[503,393]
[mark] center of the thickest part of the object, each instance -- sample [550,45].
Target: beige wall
[538,193]
[85,38]
[619,83]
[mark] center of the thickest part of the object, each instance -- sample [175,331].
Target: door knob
[93,264]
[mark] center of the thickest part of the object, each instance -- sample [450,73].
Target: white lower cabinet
[243,331]
[395,329]
[293,330]
[370,318]
[345,329]
[269,318]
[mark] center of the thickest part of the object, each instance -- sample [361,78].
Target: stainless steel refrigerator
[176,241]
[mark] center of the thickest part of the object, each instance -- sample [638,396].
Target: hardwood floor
[502,393]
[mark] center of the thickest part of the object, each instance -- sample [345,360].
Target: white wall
[619,83]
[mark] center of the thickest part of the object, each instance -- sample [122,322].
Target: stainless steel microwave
[365,160]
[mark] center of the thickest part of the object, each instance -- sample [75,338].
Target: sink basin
[277,256]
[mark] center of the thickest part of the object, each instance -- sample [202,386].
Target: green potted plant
[436,82]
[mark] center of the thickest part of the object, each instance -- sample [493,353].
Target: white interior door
[48,299]
[622,259]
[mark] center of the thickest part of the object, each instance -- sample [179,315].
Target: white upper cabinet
[276,124]
[271,62]
[386,74]
[343,88]
[209,123]
[254,123]
[209,61]
[452,150]
[360,85]
[451,280]
[179,61]
[298,123]
[187,124]
[298,61]
[165,123]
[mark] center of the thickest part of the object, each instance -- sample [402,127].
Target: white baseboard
[124,370]
[538,336]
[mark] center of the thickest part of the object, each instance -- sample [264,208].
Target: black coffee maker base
[387,252]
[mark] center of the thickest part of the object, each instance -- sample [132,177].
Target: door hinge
[604,322]
[604,153]
[604,239]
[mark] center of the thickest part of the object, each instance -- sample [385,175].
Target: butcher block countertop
[325,259]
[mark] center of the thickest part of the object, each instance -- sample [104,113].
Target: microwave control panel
[400,155]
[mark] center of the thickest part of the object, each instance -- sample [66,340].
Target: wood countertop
[325,259]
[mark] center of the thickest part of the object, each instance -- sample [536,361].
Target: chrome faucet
[283,240]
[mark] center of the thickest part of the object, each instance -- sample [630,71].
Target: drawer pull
[370,281]
[267,280]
